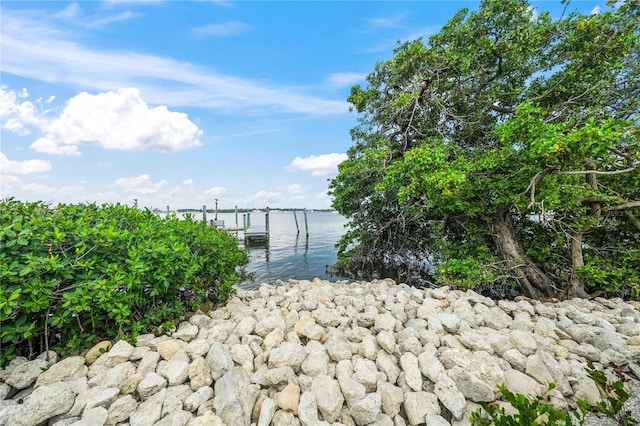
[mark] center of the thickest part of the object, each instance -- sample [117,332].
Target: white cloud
[387,22]
[33,47]
[8,167]
[264,199]
[215,191]
[221,30]
[142,185]
[119,120]
[19,116]
[595,10]
[321,165]
[295,189]
[188,182]
[345,79]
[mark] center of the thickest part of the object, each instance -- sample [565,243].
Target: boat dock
[256,233]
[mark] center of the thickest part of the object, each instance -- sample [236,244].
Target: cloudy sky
[180,103]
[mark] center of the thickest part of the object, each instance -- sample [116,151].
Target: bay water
[291,252]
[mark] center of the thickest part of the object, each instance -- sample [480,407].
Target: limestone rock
[418,405]
[235,397]
[149,411]
[329,398]
[44,403]
[94,353]
[219,360]
[66,370]
[289,398]
[409,364]
[366,410]
[121,409]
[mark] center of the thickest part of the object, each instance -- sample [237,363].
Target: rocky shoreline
[319,353]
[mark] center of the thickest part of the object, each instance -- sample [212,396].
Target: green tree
[506,146]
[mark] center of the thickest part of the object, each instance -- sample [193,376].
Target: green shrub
[71,273]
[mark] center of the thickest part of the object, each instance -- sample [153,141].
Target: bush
[75,272]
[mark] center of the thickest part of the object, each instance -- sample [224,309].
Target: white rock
[149,411]
[366,410]
[235,397]
[436,420]
[121,409]
[384,322]
[150,385]
[391,398]
[387,341]
[96,416]
[148,363]
[198,398]
[308,409]
[366,373]
[113,377]
[388,364]
[176,418]
[369,347]
[219,360]
[177,369]
[199,373]
[409,364]
[518,382]
[418,405]
[317,360]
[329,398]
[186,332]
[268,324]
[66,370]
[245,326]
[267,410]
[545,368]
[471,387]
[280,375]
[44,403]
[289,354]
[337,348]
[449,321]
[25,374]
[450,396]
[430,365]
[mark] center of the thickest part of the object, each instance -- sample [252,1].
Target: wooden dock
[256,233]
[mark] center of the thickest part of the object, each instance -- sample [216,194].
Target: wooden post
[168,210]
[244,222]
[266,222]
[306,225]
[248,219]
[236,216]
[204,214]
[296,219]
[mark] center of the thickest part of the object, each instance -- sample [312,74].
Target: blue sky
[180,103]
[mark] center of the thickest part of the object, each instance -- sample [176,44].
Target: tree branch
[596,172]
[626,206]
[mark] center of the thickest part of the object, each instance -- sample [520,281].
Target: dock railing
[250,233]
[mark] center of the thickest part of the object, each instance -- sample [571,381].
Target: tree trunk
[577,259]
[533,282]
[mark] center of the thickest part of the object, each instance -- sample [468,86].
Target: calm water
[289,254]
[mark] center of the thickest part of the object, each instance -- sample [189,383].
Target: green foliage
[74,272]
[533,411]
[505,146]
[529,411]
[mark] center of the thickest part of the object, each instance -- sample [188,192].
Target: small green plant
[533,411]
[530,411]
